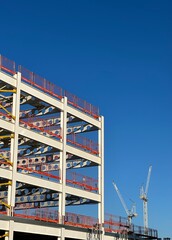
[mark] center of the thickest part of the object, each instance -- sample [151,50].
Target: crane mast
[143,196]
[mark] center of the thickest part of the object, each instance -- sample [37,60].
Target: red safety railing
[78,220]
[4,115]
[48,87]
[3,212]
[39,171]
[82,181]
[45,215]
[117,224]
[26,75]
[4,164]
[40,83]
[46,126]
[82,105]
[7,65]
[41,125]
[112,223]
[50,171]
[83,143]
[47,123]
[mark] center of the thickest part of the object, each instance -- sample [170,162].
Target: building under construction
[52,160]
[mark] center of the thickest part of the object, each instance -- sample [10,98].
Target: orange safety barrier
[116,224]
[50,215]
[42,84]
[78,220]
[5,116]
[113,223]
[31,169]
[45,215]
[31,124]
[7,65]
[48,123]
[4,164]
[81,104]
[3,212]
[44,125]
[83,143]
[81,181]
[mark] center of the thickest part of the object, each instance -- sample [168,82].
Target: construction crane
[143,196]
[130,213]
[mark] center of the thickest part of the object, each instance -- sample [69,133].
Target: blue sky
[116,55]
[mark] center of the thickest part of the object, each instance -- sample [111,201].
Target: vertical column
[14,141]
[101,172]
[11,231]
[62,195]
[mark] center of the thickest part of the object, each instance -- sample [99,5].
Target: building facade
[51,162]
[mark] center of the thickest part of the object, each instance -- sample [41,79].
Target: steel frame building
[51,148]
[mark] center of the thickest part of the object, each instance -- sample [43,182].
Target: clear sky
[118,56]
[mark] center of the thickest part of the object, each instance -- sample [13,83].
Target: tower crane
[130,213]
[143,196]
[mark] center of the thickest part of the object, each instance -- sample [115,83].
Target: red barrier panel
[43,126]
[41,83]
[45,215]
[80,220]
[26,75]
[116,224]
[83,143]
[38,170]
[7,65]
[82,105]
[82,181]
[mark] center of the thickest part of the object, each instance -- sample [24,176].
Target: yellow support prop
[7,136]
[7,111]
[7,183]
[5,204]
[5,235]
[6,159]
[11,91]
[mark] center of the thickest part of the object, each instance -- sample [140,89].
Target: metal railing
[45,215]
[83,143]
[9,66]
[112,223]
[81,181]
[40,83]
[79,220]
[120,225]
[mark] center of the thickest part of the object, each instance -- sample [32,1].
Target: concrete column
[11,230]
[62,195]
[101,173]
[14,141]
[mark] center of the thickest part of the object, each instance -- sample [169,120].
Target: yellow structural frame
[5,204]
[7,183]
[7,136]
[5,235]
[7,160]
[11,91]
